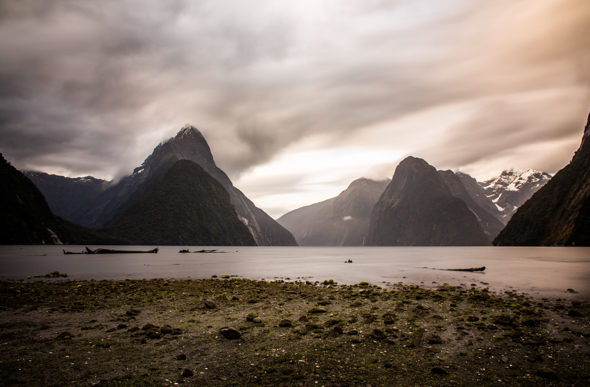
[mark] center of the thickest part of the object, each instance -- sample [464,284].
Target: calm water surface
[537,271]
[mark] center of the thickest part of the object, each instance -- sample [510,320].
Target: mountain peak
[187,130]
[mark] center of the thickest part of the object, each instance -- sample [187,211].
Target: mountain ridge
[339,221]
[417,209]
[181,205]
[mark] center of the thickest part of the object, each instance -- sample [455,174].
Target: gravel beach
[232,331]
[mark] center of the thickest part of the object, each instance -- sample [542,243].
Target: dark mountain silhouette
[559,213]
[418,209]
[68,197]
[181,205]
[340,221]
[488,222]
[478,194]
[188,144]
[25,216]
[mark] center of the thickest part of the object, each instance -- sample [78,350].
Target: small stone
[317,310]
[148,326]
[388,319]
[166,329]
[210,304]
[257,320]
[439,371]
[230,333]
[182,356]
[251,317]
[176,331]
[378,334]
[434,339]
[547,373]
[133,312]
[285,323]
[335,332]
[574,313]
[153,334]
[121,326]
[64,335]
[353,332]
[187,372]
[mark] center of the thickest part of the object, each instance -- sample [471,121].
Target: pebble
[439,371]
[378,334]
[230,333]
[210,304]
[187,372]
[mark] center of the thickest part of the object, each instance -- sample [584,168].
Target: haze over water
[537,271]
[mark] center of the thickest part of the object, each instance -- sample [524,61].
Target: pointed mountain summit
[340,221]
[189,144]
[417,209]
[559,213]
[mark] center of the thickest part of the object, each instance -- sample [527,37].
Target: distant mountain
[512,188]
[340,221]
[188,144]
[559,213]
[488,222]
[25,216]
[181,205]
[418,209]
[68,197]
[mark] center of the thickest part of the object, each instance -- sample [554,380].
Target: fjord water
[537,271]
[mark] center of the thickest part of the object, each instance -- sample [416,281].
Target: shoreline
[162,332]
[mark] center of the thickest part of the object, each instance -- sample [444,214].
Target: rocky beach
[233,331]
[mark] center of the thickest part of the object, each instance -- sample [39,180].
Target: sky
[296,99]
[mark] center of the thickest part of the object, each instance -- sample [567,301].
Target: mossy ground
[151,332]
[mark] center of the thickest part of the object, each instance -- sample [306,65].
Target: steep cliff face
[559,213]
[340,221]
[488,222]
[182,205]
[25,216]
[417,209]
[479,196]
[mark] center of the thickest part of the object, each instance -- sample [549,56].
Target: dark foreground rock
[78,333]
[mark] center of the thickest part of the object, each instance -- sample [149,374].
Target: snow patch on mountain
[512,188]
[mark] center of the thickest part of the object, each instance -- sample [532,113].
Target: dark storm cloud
[105,81]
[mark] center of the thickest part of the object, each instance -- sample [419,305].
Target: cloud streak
[91,87]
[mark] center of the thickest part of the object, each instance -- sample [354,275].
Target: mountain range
[179,196]
[344,220]
[419,209]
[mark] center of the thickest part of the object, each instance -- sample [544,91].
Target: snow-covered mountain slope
[512,188]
